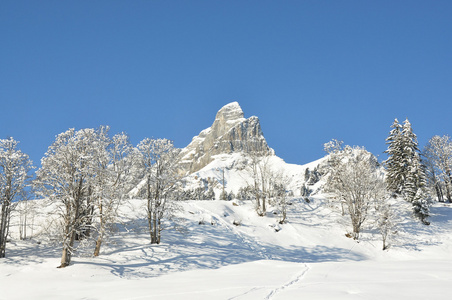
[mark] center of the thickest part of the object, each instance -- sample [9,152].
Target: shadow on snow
[205,247]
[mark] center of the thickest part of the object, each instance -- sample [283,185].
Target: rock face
[230,132]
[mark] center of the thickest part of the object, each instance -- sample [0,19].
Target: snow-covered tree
[67,178]
[438,156]
[278,195]
[434,183]
[305,191]
[15,167]
[404,169]
[395,175]
[209,194]
[261,181]
[356,181]
[86,174]
[112,179]
[414,171]
[405,172]
[26,210]
[386,221]
[157,162]
[421,205]
[245,193]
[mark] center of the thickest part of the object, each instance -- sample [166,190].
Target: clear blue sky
[310,70]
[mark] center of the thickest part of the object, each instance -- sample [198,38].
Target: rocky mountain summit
[229,133]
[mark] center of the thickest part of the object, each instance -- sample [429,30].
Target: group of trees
[405,172]
[267,186]
[86,174]
[362,185]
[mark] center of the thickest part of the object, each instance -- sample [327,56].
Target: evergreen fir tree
[411,162]
[394,166]
[421,205]
[405,172]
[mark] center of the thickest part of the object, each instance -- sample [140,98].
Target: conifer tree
[411,162]
[405,172]
[421,205]
[394,165]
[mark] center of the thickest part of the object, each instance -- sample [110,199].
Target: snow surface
[309,258]
[237,173]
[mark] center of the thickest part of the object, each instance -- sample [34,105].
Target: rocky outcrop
[229,133]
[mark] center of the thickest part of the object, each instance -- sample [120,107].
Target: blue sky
[310,70]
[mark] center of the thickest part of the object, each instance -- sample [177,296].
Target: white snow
[309,258]
[237,174]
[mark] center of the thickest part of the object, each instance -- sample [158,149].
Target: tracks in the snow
[259,249]
[294,281]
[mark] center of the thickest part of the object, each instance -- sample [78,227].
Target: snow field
[309,257]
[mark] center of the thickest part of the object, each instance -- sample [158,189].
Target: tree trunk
[154,230]
[67,249]
[65,258]
[448,185]
[101,232]
[150,223]
[355,231]
[384,244]
[5,221]
[98,244]
[151,211]
[3,230]
[448,192]
[439,192]
[159,230]
[25,226]
[72,225]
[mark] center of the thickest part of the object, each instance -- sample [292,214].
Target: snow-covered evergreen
[395,175]
[405,172]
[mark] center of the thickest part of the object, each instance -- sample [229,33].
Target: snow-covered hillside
[211,258]
[236,169]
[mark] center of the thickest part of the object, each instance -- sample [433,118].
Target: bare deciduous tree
[355,179]
[14,179]
[261,181]
[438,154]
[66,177]
[278,194]
[386,221]
[111,182]
[157,160]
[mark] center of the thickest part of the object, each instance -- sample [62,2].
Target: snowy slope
[310,258]
[237,172]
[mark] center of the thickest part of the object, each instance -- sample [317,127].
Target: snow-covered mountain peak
[230,112]
[229,133]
